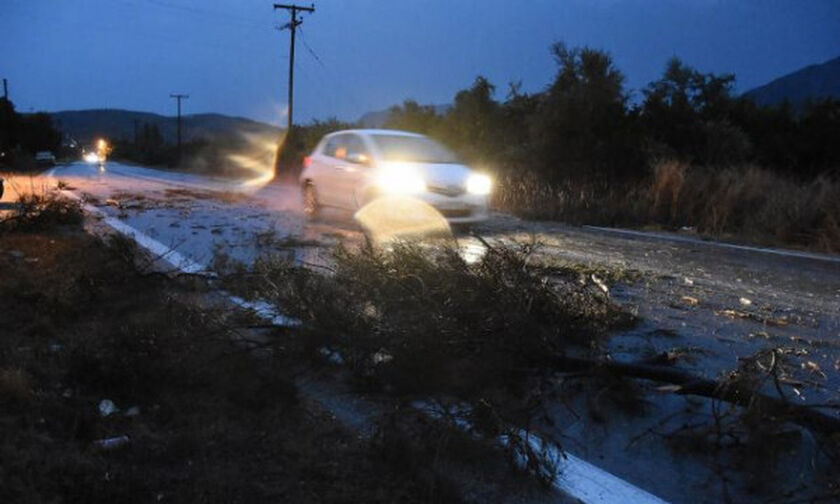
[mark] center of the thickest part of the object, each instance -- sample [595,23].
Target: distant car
[45,158]
[348,169]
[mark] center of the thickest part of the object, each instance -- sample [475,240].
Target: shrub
[38,212]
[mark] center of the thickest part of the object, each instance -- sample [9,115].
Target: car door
[328,170]
[354,170]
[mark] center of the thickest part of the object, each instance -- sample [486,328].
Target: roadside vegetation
[116,385]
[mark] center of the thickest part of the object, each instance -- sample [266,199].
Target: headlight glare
[479,184]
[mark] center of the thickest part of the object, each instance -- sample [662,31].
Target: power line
[206,12]
[335,80]
[311,51]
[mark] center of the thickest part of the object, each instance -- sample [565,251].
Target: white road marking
[747,248]
[591,484]
[170,255]
[264,310]
[572,476]
[182,263]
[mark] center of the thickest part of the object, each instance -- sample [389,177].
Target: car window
[356,149]
[336,147]
[416,149]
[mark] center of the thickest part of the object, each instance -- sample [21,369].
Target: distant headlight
[397,178]
[479,184]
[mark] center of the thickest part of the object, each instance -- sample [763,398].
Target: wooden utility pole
[292,26]
[5,89]
[179,97]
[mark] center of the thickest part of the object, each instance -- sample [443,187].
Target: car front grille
[448,190]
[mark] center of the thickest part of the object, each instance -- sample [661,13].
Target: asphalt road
[714,302]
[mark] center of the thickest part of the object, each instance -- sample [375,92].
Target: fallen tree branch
[689,384]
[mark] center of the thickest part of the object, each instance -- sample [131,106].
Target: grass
[745,203]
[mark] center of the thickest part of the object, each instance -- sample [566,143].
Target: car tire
[311,207]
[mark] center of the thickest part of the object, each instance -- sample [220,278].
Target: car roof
[376,132]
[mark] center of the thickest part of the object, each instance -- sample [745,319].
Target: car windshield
[414,149]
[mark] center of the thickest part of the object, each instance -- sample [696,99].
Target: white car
[45,158]
[349,169]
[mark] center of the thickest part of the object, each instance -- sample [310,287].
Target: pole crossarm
[295,7]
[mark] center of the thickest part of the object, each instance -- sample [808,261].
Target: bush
[38,212]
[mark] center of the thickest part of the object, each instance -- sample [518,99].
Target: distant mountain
[85,125]
[810,83]
[377,118]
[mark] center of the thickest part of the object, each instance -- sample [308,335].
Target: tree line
[22,135]
[584,126]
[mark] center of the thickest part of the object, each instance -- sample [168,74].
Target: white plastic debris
[688,281]
[601,284]
[112,443]
[107,407]
[745,302]
[382,357]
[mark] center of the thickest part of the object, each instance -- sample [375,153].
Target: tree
[473,123]
[412,116]
[9,127]
[688,114]
[581,128]
[38,134]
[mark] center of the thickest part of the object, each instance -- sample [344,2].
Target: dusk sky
[362,55]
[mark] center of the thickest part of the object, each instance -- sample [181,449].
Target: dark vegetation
[22,135]
[83,319]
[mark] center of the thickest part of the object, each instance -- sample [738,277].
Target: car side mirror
[357,158]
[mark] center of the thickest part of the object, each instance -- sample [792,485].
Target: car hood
[441,174]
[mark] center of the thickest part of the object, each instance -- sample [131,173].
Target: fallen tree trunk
[689,384]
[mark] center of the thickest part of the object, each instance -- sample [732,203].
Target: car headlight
[479,184]
[400,179]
